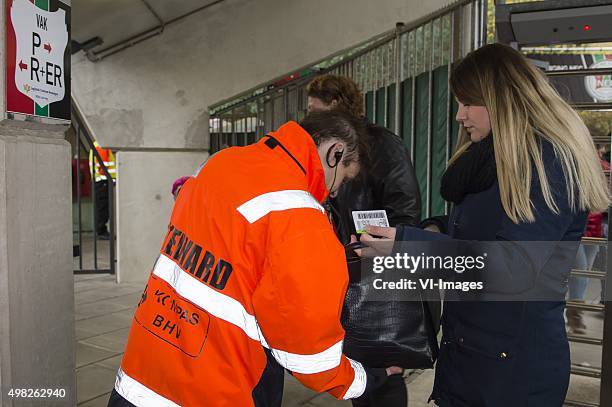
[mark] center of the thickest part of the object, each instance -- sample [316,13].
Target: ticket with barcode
[374,218]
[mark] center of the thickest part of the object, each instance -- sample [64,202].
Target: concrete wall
[36,281]
[156,93]
[143,187]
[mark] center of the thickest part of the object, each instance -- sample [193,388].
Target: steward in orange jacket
[250,276]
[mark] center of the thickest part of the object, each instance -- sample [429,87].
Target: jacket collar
[302,147]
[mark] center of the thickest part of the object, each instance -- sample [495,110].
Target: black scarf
[474,171]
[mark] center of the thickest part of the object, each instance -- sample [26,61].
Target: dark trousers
[269,390]
[116,400]
[392,393]
[101,206]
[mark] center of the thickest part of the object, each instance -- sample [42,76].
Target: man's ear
[334,103]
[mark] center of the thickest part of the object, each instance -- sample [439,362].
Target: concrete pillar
[37,339]
[36,283]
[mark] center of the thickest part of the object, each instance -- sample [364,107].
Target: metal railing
[605,372]
[606,355]
[403,74]
[88,242]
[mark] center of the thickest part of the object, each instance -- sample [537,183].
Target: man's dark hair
[342,89]
[325,125]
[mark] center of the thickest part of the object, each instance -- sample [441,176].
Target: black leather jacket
[388,182]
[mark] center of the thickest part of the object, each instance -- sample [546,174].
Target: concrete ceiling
[116,20]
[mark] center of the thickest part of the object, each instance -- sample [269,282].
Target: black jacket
[387,182]
[383,333]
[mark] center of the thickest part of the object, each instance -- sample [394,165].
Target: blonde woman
[525,170]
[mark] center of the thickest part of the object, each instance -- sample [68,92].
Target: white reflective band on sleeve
[359,382]
[138,394]
[215,303]
[262,205]
[309,364]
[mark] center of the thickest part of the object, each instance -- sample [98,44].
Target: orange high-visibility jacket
[249,262]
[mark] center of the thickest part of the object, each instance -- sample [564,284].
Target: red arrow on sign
[22,66]
[47,47]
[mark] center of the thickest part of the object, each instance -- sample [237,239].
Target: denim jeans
[584,261]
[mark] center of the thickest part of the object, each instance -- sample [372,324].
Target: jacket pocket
[479,341]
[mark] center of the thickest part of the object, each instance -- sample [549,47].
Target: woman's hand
[384,233]
[377,246]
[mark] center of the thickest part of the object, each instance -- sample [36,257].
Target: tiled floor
[103,315]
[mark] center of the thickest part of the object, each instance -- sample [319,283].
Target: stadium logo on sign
[600,86]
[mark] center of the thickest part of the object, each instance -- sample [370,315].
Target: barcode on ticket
[374,218]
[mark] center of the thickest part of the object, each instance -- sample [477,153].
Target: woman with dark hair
[525,170]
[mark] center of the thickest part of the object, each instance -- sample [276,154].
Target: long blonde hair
[524,108]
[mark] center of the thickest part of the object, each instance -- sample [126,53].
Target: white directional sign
[41,39]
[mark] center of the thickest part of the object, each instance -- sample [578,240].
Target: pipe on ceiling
[96,56]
